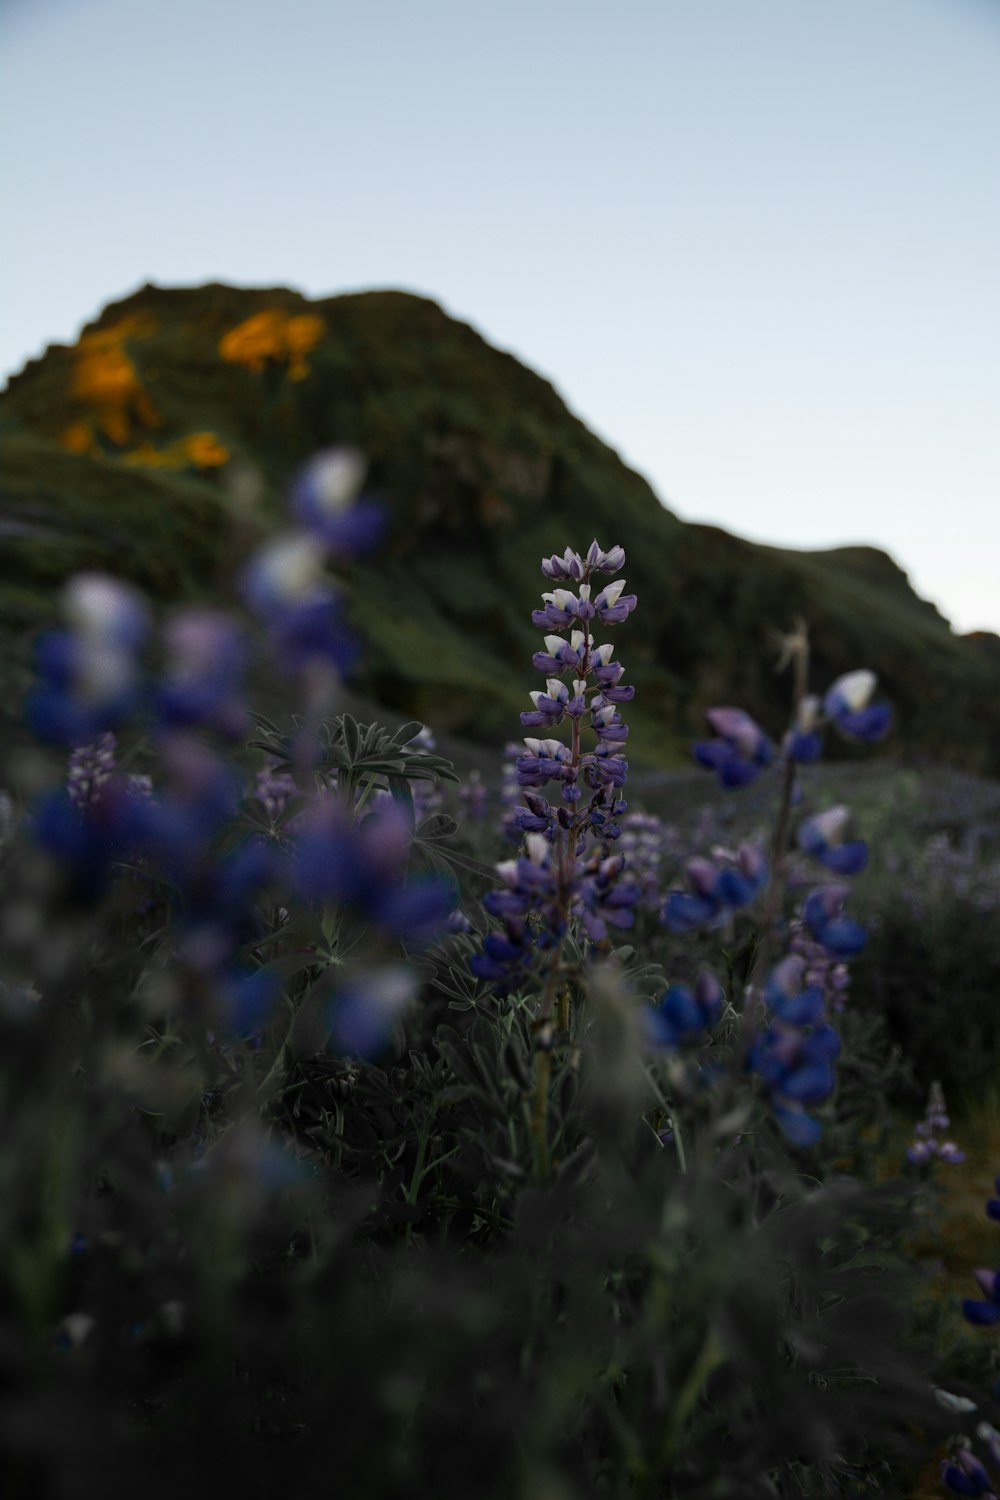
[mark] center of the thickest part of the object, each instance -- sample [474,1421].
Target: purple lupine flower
[273,789]
[965,1475]
[92,838]
[822,836]
[985,1313]
[823,915]
[88,674]
[739,751]
[201,685]
[715,889]
[602,897]
[927,1145]
[528,883]
[788,996]
[570,566]
[287,587]
[325,499]
[848,706]
[794,1054]
[363,867]
[362,1014]
[558,876]
[822,968]
[89,768]
[803,743]
[612,604]
[684,1012]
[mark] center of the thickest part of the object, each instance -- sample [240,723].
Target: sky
[755,244]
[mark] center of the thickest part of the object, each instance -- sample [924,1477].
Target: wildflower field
[392,1112]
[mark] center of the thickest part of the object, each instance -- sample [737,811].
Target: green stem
[798,644]
[540,1109]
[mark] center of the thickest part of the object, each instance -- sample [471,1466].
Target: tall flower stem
[796,648]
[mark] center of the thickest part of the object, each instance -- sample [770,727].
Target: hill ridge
[126,448]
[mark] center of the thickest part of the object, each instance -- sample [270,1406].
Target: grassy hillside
[160,445]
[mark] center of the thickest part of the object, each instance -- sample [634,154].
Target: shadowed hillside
[160,444]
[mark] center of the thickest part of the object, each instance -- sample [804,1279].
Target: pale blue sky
[754,243]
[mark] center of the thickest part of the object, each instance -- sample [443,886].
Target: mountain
[160,444]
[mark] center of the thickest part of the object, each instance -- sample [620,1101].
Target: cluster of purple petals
[202,681]
[274,789]
[301,610]
[287,584]
[963,1472]
[327,858]
[826,922]
[541,884]
[715,888]
[794,1054]
[987,1312]
[642,842]
[363,1012]
[830,974]
[575,568]
[325,499]
[361,866]
[928,1145]
[90,766]
[848,706]
[529,884]
[739,750]
[558,877]
[965,1475]
[91,837]
[87,676]
[822,837]
[684,1012]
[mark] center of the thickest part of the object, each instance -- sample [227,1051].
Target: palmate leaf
[361,750]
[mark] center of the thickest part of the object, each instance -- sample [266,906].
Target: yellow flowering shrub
[106,384]
[280,337]
[198,450]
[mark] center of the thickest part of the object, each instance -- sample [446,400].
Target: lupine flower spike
[567,869]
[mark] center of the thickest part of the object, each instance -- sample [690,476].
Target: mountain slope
[160,445]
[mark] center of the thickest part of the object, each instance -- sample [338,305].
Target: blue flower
[788,999]
[847,704]
[794,1054]
[89,672]
[287,587]
[362,1015]
[324,498]
[822,913]
[988,1312]
[206,657]
[822,836]
[683,1013]
[740,750]
[90,840]
[715,890]
[965,1475]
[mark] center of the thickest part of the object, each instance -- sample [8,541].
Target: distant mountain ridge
[159,446]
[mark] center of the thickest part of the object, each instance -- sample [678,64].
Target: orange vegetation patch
[275,336]
[198,450]
[106,384]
